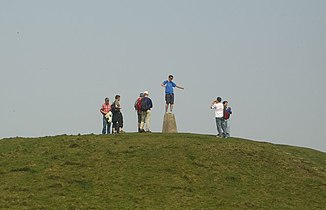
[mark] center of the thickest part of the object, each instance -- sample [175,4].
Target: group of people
[143,105]
[222,116]
[112,115]
[112,112]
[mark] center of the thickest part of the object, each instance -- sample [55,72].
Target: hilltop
[158,171]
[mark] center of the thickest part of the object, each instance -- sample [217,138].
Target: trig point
[169,124]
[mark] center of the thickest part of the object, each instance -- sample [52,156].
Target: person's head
[146,93]
[107,100]
[170,77]
[225,103]
[141,95]
[117,97]
[219,99]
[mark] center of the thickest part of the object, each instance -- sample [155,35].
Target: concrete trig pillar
[169,123]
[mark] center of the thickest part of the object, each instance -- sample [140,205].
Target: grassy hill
[158,171]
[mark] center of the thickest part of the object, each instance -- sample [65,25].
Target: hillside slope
[158,171]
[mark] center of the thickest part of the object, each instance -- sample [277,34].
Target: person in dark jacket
[226,119]
[146,106]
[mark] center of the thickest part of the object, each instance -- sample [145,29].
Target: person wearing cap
[105,109]
[169,92]
[146,106]
[226,119]
[137,106]
[218,107]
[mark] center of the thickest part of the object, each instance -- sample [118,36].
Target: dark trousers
[117,121]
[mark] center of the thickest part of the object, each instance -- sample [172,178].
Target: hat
[141,95]
[146,92]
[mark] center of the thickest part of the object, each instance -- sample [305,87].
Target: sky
[60,59]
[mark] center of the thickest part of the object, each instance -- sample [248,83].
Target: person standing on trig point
[169,93]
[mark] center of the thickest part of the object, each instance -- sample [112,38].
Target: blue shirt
[169,86]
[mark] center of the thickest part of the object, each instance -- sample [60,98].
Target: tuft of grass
[158,171]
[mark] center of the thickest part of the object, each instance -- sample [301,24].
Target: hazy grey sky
[60,59]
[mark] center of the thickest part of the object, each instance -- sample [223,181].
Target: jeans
[106,126]
[226,128]
[219,126]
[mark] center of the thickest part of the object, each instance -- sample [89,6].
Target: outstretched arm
[180,87]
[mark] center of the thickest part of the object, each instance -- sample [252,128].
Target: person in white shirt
[218,107]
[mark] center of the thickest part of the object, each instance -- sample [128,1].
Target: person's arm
[117,105]
[151,103]
[179,87]
[175,85]
[135,104]
[164,83]
[213,105]
[102,111]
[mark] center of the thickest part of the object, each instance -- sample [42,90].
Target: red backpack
[138,104]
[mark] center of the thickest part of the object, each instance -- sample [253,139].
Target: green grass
[158,171]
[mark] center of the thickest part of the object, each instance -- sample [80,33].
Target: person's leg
[143,118]
[114,127]
[104,125]
[219,126]
[108,128]
[224,128]
[228,128]
[148,120]
[121,123]
[139,120]
[216,121]
[171,102]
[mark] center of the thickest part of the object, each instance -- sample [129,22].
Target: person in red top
[137,106]
[106,108]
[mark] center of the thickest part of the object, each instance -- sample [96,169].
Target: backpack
[138,104]
[226,113]
[144,104]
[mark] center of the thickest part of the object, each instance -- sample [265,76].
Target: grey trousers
[226,128]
